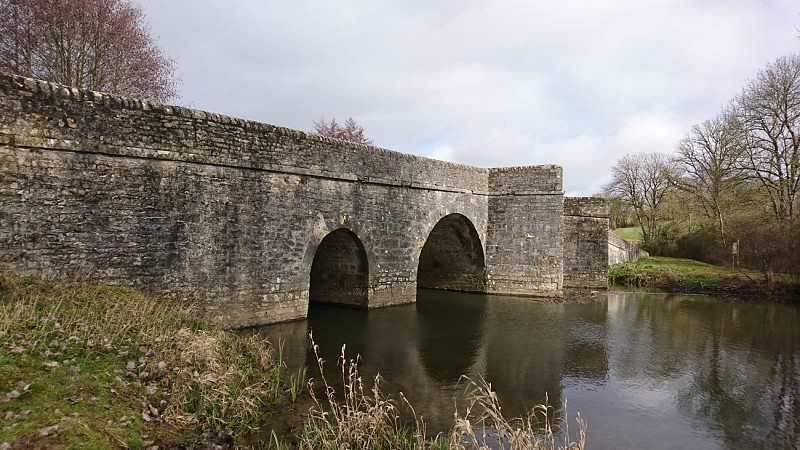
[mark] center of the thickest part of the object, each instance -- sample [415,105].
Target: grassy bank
[90,366]
[686,275]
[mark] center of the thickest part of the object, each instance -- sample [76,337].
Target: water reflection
[525,352]
[714,374]
[586,355]
[646,371]
[451,328]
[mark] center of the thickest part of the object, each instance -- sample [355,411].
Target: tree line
[730,193]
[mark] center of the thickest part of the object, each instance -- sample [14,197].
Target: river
[656,371]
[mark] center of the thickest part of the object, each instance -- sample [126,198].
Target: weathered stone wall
[524,251]
[585,243]
[622,251]
[189,203]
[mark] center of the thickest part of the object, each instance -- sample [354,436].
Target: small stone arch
[452,257]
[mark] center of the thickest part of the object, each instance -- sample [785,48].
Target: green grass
[680,274]
[632,234]
[83,411]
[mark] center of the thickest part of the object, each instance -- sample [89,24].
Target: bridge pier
[525,236]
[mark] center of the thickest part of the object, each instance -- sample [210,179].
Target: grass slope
[686,275]
[632,234]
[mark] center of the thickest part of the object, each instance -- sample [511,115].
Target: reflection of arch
[449,351]
[452,257]
[340,270]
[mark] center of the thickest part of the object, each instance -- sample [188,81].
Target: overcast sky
[489,83]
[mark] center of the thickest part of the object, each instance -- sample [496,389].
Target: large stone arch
[344,232]
[340,270]
[452,257]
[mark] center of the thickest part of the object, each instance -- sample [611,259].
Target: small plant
[275,443]
[276,379]
[296,382]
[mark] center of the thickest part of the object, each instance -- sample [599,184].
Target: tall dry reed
[359,418]
[365,418]
[483,426]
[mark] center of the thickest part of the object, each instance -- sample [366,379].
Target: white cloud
[490,83]
[650,131]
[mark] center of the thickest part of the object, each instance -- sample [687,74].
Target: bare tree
[643,181]
[102,45]
[769,112]
[619,212]
[350,131]
[710,164]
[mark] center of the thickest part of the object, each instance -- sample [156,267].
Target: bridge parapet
[54,117]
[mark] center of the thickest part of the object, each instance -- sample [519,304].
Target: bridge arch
[340,270]
[452,257]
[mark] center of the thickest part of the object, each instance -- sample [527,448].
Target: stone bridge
[254,220]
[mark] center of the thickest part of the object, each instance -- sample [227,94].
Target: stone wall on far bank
[586,244]
[622,251]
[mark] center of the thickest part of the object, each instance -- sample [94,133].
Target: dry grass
[483,425]
[222,380]
[33,310]
[361,418]
[367,419]
[125,365]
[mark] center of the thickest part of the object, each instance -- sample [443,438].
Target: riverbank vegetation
[91,366]
[686,275]
[730,193]
[361,417]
